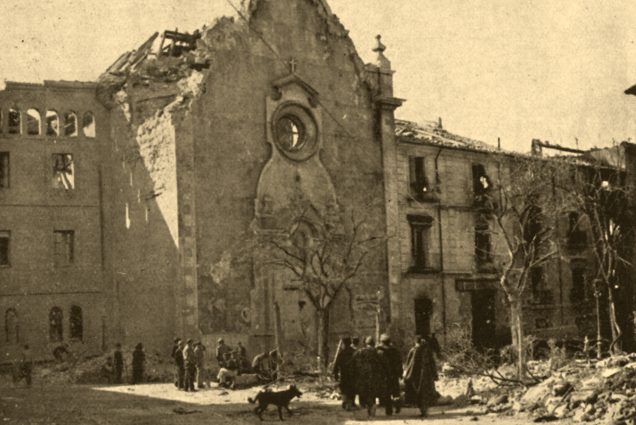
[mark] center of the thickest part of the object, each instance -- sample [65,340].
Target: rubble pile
[90,370]
[585,392]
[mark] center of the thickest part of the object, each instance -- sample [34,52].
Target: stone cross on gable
[293,65]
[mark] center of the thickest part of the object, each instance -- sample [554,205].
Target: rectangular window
[4,170]
[64,249]
[578,284]
[577,239]
[483,246]
[418,183]
[5,245]
[63,171]
[420,235]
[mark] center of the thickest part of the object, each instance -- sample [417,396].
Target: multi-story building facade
[122,202]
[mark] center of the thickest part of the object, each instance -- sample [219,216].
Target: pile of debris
[91,370]
[583,391]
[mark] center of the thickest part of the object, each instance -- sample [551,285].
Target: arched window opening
[56,328]
[88,124]
[33,122]
[14,126]
[70,124]
[76,323]
[52,123]
[12,332]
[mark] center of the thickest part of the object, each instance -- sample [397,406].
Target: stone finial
[383,63]
[379,47]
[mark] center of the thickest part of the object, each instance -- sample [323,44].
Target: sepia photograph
[323,212]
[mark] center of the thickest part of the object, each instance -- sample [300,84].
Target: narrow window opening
[5,248]
[11,326]
[420,240]
[4,170]
[52,123]
[483,244]
[64,249]
[34,122]
[70,124]
[417,178]
[76,324]
[88,124]
[56,328]
[63,171]
[578,284]
[481,181]
[14,121]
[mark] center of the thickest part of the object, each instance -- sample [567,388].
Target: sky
[516,70]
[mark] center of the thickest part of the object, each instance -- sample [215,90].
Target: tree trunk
[516,328]
[323,337]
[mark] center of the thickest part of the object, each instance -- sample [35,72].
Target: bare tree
[600,193]
[524,209]
[323,252]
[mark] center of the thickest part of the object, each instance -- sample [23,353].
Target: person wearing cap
[344,373]
[370,376]
[392,361]
[420,375]
[222,352]
[190,366]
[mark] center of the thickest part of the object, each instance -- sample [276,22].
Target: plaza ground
[162,404]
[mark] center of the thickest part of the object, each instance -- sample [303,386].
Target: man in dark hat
[344,373]
[392,361]
[420,375]
[370,376]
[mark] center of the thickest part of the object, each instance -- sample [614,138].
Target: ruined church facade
[126,215]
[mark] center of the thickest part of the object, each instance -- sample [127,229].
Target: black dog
[278,398]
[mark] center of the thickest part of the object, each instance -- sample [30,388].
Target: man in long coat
[344,373]
[420,375]
[392,361]
[370,376]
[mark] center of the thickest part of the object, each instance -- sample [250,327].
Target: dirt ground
[162,404]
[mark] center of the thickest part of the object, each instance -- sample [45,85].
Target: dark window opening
[533,224]
[52,123]
[418,182]
[56,328]
[14,121]
[11,328]
[63,171]
[33,122]
[70,124]
[420,236]
[481,181]
[578,284]
[64,248]
[88,124]
[483,245]
[5,245]
[76,324]
[4,170]
[577,238]
[536,281]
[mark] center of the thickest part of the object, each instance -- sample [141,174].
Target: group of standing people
[189,360]
[373,372]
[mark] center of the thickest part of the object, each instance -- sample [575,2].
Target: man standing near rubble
[370,376]
[199,355]
[392,362]
[343,373]
[222,352]
[118,363]
[420,375]
[190,366]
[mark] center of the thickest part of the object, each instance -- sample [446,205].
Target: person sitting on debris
[221,351]
[227,374]
[107,370]
[265,365]
[61,353]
